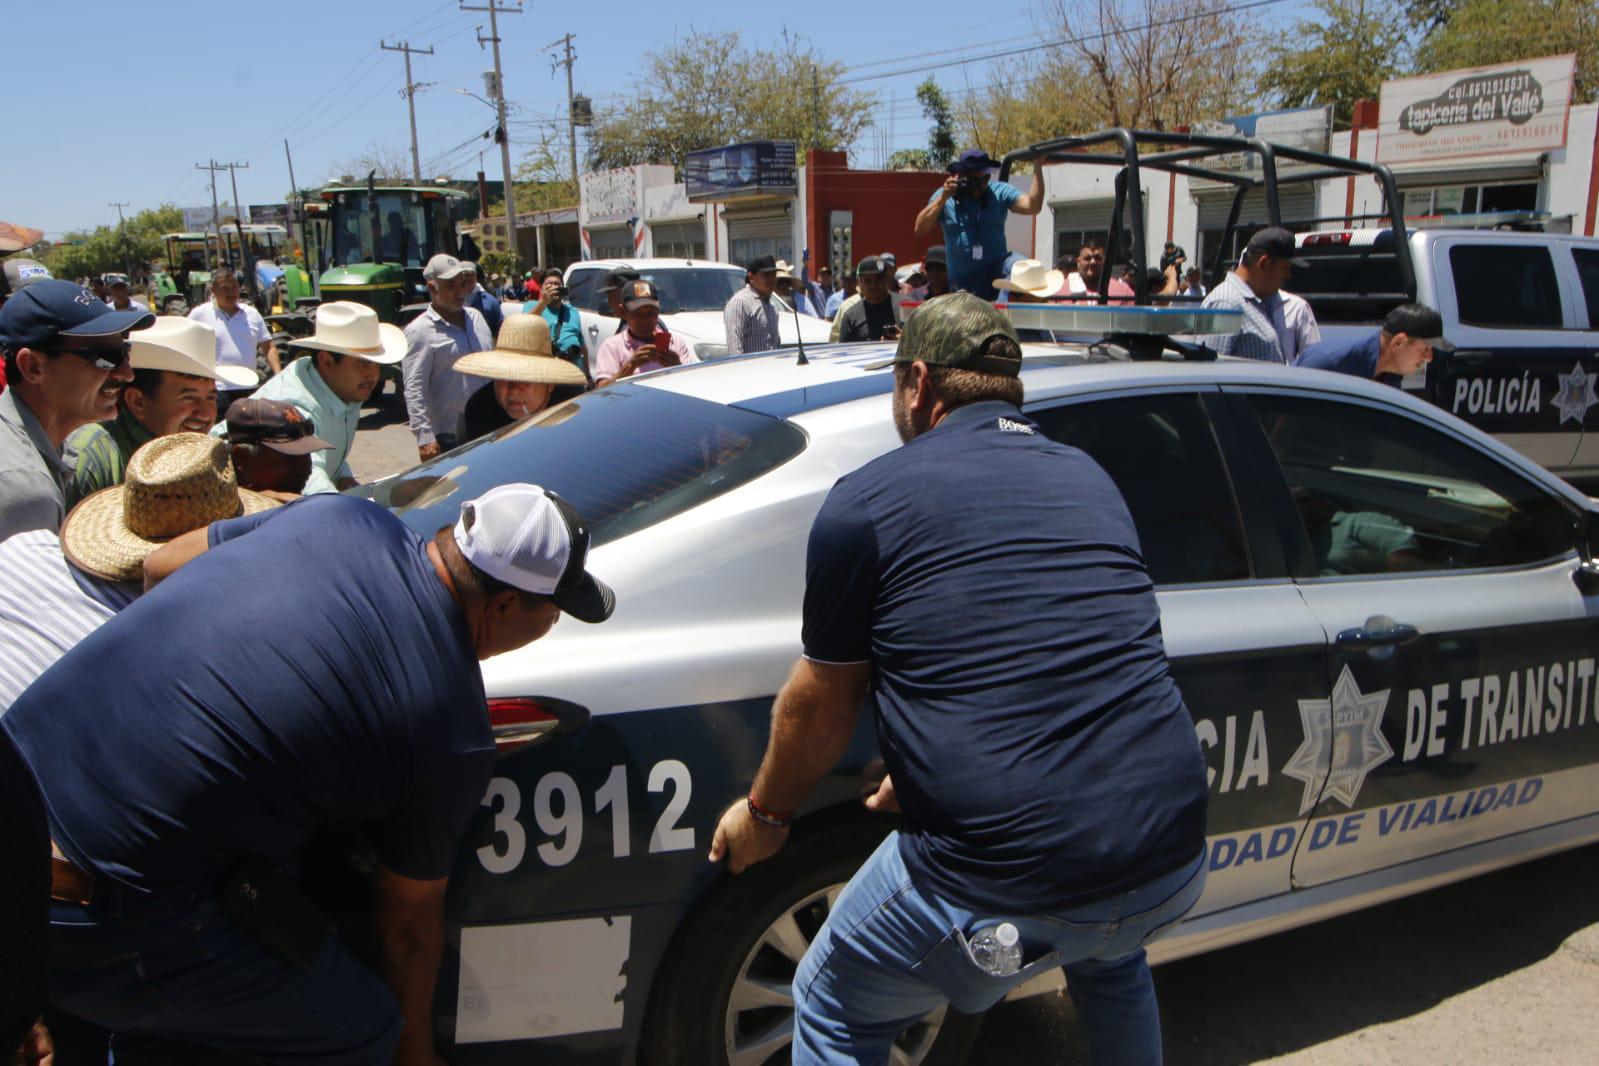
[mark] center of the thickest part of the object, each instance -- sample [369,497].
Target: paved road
[1500,969]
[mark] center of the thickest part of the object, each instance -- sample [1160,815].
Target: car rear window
[626,456]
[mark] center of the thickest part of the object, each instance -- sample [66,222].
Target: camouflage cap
[960,330]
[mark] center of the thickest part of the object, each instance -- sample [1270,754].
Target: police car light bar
[1124,319]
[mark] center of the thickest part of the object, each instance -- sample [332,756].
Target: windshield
[694,288]
[402,229]
[626,456]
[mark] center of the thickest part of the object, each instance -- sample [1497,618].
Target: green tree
[707,90]
[1481,32]
[1343,56]
[110,249]
[940,134]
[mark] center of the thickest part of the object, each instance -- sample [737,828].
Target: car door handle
[1379,632]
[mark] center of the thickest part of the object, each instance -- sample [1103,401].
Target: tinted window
[1588,270]
[625,456]
[1505,286]
[1379,493]
[1338,276]
[695,288]
[1160,452]
[580,286]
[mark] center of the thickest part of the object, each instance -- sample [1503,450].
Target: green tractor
[380,237]
[183,283]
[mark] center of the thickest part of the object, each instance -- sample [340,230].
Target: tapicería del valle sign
[1514,96]
[1512,109]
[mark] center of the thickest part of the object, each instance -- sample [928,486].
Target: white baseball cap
[443,267]
[531,539]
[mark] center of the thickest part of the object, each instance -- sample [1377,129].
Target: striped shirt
[103,450]
[751,323]
[46,607]
[1264,333]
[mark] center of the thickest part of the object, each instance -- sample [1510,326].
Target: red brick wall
[885,204]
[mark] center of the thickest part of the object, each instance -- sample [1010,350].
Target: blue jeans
[890,952]
[175,973]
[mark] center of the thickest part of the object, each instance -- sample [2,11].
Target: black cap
[1276,242]
[1420,322]
[873,264]
[617,278]
[762,264]
[936,254]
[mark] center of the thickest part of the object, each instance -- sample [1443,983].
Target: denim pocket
[950,969]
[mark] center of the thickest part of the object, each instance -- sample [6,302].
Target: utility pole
[409,92]
[503,134]
[571,126]
[238,224]
[816,110]
[122,235]
[216,212]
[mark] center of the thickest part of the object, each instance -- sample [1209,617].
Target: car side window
[1506,286]
[580,289]
[1160,451]
[1380,493]
[1588,271]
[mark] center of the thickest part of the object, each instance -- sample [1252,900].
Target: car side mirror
[1586,576]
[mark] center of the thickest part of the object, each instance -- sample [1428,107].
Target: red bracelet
[771,818]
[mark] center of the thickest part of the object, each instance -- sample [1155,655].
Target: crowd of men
[149,904]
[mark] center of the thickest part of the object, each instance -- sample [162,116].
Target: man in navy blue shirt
[985,585]
[970,209]
[1410,334]
[177,794]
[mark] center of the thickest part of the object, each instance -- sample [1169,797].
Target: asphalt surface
[1503,968]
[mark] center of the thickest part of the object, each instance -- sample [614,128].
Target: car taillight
[521,720]
[1327,238]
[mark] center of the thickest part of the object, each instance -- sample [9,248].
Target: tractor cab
[183,281]
[380,237]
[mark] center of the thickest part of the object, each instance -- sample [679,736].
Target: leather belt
[68,884]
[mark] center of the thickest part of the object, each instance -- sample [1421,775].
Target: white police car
[1383,622]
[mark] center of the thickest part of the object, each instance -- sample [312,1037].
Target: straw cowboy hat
[353,329]
[523,353]
[1030,276]
[184,346]
[174,484]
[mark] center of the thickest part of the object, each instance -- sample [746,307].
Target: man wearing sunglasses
[66,361]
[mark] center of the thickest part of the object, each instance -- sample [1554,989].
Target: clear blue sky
[111,101]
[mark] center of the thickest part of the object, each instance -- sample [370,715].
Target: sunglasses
[101,357]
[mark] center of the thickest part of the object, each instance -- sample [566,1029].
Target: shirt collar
[1245,291]
[311,379]
[131,430]
[973,412]
[19,414]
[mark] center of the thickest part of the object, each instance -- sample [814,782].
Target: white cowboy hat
[523,353]
[185,346]
[354,329]
[1031,277]
[785,271]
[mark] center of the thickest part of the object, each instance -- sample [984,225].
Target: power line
[409,92]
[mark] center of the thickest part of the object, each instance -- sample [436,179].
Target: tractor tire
[175,305]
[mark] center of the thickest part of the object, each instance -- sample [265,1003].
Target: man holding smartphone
[872,317]
[644,344]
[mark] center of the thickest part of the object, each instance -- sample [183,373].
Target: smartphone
[662,340]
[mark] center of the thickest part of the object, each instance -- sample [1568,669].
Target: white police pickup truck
[693,294]
[1521,308]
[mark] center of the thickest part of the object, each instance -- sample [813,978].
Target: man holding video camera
[970,208]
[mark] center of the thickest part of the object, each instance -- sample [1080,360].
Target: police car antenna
[799,337]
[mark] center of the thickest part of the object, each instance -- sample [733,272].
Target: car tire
[732,938]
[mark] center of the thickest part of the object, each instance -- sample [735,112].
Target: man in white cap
[171,875]
[348,350]
[435,395]
[174,390]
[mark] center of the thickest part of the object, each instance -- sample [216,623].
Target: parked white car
[693,293]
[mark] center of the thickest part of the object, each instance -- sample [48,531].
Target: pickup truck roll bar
[1186,153]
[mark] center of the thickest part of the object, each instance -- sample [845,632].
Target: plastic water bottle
[997,950]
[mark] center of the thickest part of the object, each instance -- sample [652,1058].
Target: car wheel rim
[760,1012]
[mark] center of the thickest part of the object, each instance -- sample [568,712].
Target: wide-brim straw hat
[185,346]
[173,485]
[523,353]
[1031,276]
[353,329]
